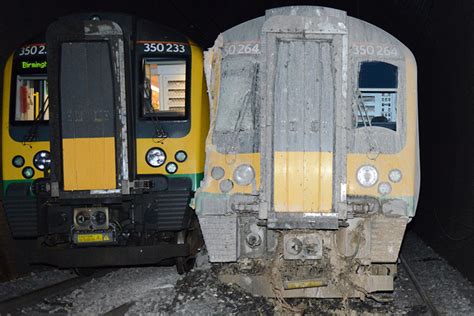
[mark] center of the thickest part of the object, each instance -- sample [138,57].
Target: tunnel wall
[446,98]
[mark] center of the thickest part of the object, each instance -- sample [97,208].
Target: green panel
[6,183]
[195,178]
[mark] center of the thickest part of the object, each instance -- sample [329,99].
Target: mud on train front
[312,168]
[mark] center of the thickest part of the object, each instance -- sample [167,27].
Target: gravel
[32,281]
[113,290]
[450,292]
[160,290]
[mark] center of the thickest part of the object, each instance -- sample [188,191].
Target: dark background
[439,33]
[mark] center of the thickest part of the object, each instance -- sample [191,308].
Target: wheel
[185,264]
[85,272]
[193,238]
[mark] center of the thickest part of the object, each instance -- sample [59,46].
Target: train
[312,168]
[104,122]
[298,165]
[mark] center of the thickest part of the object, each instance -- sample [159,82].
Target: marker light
[18,161]
[385,188]
[171,167]
[28,172]
[42,160]
[226,185]
[180,156]
[395,175]
[217,173]
[367,176]
[244,174]
[155,157]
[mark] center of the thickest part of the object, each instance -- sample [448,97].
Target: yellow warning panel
[82,238]
[303,182]
[89,163]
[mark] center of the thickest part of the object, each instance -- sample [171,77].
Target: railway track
[419,288]
[15,304]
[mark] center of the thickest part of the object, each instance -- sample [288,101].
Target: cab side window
[377,95]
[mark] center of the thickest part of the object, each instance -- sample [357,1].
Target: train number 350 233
[163,47]
[32,50]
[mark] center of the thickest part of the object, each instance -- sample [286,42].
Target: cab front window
[164,88]
[31,99]
[377,95]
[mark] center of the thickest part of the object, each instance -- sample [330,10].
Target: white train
[312,163]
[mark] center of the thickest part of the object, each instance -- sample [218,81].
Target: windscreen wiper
[160,133]
[249,98]
[33,131]
[361,106]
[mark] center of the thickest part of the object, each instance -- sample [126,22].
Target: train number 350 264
[374,50]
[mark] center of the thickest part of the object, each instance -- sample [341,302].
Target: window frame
[395,90]
[239,138]
[387,140]
[143,115]
[14,95]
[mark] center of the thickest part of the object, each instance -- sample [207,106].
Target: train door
[306,160]
[88,73]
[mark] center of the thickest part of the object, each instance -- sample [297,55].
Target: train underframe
[358,259]
[154,225]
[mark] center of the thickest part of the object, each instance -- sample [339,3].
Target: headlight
[180,156]
[395,175]
[82,218]
[155,157]
[99,218]
[42,160]
[18,161]
[244,174]
[367,176]
[385,188]
[28,172]
[171,167]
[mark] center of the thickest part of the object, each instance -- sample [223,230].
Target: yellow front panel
[193,142]
[229,162]
[384,163]
[303,181]
[10,147]
[406,160]
[89,163]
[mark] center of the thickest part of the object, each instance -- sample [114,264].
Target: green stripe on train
[195,178]
[6,183]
